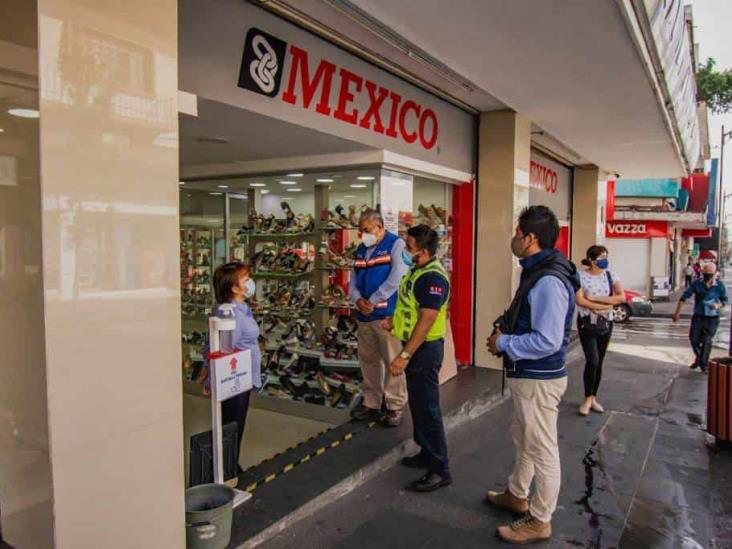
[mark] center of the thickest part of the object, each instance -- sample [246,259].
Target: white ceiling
[249,136]
[569,65]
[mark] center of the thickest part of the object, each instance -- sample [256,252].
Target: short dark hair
[227,276]
[593,252]
[425,237]
[542,223]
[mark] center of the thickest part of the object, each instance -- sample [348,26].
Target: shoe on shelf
[392,418]
[415,462]
[525,530]
[596,406]
[507,501]
[429,483]
[584,408]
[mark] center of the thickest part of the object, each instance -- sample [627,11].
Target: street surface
[638,476]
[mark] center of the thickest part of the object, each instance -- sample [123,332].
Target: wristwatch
[404,355]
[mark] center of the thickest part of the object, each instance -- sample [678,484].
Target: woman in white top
[600,291]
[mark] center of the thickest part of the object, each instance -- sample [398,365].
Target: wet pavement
[638,476]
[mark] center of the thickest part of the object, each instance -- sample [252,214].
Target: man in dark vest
[533,337]
[379,269]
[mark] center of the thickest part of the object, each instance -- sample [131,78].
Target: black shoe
[415,462]
[392,418]
[363,413]
[694,366]
[429,483]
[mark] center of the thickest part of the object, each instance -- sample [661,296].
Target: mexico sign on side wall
[550,185]
[244,56]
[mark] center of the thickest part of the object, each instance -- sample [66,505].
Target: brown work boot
[525,530]
[506,500]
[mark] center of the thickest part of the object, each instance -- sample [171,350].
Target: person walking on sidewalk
[420,323]
[601,290]
[533,337]
[379,268]
[710,296]
[688,274]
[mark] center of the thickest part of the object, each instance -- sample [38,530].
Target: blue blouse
[246,337]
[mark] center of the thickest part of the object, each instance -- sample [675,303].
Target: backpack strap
[609,282]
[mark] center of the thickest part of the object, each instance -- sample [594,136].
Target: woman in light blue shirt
[233,284]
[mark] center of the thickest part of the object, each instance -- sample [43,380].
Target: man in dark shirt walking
[710,296]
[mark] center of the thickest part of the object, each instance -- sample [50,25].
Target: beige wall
[109,199]
[587,206]
[25,474]
[503,191]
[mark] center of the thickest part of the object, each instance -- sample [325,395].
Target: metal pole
[720,212]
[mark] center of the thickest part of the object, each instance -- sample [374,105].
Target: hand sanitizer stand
[233,379]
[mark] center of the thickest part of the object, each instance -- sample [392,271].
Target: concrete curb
[466,412]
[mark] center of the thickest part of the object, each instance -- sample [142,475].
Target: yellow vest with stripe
[407,308]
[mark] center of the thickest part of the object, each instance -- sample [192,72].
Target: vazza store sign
[332,91]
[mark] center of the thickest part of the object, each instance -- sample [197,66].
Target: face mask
[250,287]
[516,248]
[602,263]
[368,239]
[708,276]
[408,258]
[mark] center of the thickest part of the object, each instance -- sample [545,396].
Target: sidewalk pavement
[639,475]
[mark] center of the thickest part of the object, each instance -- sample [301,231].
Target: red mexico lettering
[346,97]
[409,137]
[375,102]
[543,178]
[323,74]
[407,119]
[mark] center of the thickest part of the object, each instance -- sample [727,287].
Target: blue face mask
[251,288]
[407,258]
[602,263]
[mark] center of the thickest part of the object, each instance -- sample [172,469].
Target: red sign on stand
[636,229]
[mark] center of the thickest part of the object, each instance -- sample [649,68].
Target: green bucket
[209,510]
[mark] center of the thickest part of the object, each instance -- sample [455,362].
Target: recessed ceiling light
[1,130]
[239,196]
[25,113]
[288,183]
[324,180]
[358,186]
[295,175]
[265,191]
[223,186]
[181,182]
[216,194]
[294,190]
[257,184]
[349,196]
[365,178]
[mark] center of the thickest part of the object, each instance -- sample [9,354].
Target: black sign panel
[262,63]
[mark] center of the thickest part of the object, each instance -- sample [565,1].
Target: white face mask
[368,239]
[250,288]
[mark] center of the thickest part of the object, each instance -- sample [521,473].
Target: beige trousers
[376,349]
[534,432]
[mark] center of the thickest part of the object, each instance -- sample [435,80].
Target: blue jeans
[423,387]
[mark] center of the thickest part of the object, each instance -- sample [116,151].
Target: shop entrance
[297,228]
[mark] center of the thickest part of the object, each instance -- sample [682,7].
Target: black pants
[235,409]
[595,346]
[688,279]
[701,334]
[423,387]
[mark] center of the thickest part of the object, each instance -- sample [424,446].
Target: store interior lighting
[365,178]
[288,183]
[24,113]
[215,194]
[257,184]
[295,175]
[294,190]
[223,186]
[358,186]
[324,180]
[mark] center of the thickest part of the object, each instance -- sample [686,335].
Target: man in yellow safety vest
[420,323]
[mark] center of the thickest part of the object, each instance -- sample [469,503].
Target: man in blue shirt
[710,296]
[533,337]
[378,270]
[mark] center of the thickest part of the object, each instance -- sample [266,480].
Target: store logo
[543,178]
[261,65]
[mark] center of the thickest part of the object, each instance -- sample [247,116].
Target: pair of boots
[526,529]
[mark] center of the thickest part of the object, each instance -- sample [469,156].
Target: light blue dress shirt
[549,301]
[391,284]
